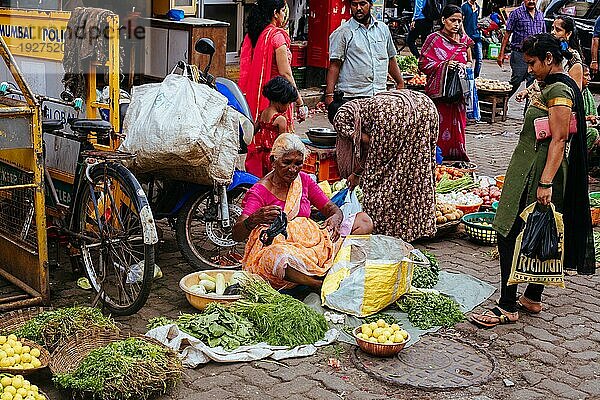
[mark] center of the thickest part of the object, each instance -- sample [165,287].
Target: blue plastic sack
[438,155]
[340,197]
[175,14]
[472,100]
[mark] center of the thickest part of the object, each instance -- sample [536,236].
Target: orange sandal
[532,307]
[494,317]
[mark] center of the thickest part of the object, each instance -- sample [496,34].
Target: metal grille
[17,210]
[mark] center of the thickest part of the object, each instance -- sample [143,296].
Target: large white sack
[180,129]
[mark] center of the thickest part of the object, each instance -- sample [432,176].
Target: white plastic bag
[180,129]
[351,205]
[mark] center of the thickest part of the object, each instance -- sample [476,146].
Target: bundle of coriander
[133,368]
[279,319]
[51,327]
[427,309]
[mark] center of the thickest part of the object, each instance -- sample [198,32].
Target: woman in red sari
[446,49]
[266,54]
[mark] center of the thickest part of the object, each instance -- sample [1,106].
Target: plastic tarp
[466,290]
[182,130]
[194,352]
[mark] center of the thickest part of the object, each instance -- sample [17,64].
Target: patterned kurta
[398,178]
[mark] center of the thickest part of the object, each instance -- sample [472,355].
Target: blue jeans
[477,52]
[520,72]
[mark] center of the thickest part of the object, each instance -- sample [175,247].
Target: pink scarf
[256,65]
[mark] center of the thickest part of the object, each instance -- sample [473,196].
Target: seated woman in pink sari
[446,49]
[307,253]
[266,54]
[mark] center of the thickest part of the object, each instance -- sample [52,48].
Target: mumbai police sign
[33,33]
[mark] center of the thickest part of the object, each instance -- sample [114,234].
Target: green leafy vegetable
[426,276]
[127,369]
[49,328]
[279,319]
[388,318]
[428,309]
[216,326]
[408,64]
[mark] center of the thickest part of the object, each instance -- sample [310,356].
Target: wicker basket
[11,375]
[68,356]
[378,349]
[480,233]
[44,359]
[13,320]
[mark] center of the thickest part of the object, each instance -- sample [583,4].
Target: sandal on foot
[532,307]
[494,317]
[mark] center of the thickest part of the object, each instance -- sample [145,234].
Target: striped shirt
[522,25]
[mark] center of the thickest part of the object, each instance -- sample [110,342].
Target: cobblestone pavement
[554,355]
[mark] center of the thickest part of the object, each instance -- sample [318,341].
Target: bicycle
[108,222]
[399,28]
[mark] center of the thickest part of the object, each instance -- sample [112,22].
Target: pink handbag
[542,127]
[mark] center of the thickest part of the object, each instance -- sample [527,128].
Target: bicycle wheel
[206,244]
[113,214]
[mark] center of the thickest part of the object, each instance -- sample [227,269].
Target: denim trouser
[477,52]
[519,71]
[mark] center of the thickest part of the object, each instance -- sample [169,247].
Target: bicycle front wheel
[113,215]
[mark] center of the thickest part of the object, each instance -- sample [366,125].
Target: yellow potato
[381,323]
[389,342]
[35,352]
[377,332]
[373,325]
[395,327]
[25,349]
[3,339]
[12,337]
[382,339]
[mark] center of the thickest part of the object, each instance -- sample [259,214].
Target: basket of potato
[447,213]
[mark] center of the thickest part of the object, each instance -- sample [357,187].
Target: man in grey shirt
[361,53]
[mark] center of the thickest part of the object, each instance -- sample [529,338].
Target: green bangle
[545,185]
[247,226]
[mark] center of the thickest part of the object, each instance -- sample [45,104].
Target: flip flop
[497,316]
[532,307]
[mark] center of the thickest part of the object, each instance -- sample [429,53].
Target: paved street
[554,355]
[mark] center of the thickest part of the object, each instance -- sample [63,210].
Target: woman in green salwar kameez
[551,170]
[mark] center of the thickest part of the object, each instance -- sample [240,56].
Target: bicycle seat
[91,125]
[51,125]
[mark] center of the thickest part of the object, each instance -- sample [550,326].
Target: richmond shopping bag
[527,267]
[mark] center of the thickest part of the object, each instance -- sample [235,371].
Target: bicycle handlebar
[77,103]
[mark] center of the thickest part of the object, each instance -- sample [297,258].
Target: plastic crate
[298,51]
[325,168]
[493,51]
[299,74]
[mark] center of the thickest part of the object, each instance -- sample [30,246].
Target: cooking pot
[322,136]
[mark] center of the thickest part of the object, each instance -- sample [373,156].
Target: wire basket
[11,321]
[478,233]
